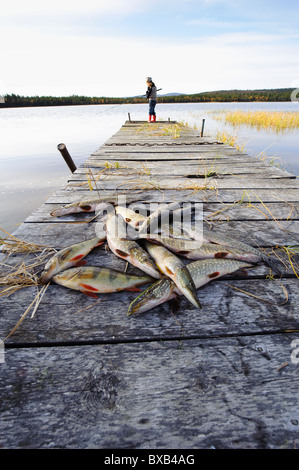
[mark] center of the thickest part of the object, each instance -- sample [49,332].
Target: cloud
[39,63]
[19,8]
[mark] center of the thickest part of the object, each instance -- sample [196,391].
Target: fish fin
[221,254]
[154,241]
[100,242]
[133,289]
[89,288]
[77,258]
[82,262]
[174,305]
[121,253]
[168,271]
[273,263]
[212,275]
[86,208]
[242,272]
[89,294]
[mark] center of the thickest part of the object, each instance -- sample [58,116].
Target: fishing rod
[129,102]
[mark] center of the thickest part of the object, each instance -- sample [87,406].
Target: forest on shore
[280,94]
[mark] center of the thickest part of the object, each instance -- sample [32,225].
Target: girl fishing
[151,95]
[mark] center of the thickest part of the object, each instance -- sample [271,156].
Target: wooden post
[202,127]
[68,159]
[129,117]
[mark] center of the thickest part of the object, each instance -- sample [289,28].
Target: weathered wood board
[178,394]
[257,233]
[257,211]
[224,196]
[82,374]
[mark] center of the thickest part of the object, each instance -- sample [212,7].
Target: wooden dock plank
[221,195]
[255,232]
[230,306]
[108,181]
[258,211]
[191,394]
[188,171]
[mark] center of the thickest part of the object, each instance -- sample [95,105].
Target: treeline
[11,101]
[281,94]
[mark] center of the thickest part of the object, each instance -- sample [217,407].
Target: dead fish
[68,257]
[129,250]
[196,250]
[202,272]
[159,292]
[151,222]
[90,205]
[233,244]
[95,280]
[170,265]
[134,219]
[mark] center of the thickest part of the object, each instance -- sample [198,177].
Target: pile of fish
[159,256]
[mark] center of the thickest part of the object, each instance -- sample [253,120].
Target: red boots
[150,118]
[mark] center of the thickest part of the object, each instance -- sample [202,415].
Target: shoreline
[275,95]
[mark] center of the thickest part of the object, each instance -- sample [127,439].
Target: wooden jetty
[80,373]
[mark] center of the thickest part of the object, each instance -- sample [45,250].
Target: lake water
[31,167]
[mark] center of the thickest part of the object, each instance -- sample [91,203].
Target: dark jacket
[151,92]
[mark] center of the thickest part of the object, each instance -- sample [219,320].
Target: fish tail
[273,263]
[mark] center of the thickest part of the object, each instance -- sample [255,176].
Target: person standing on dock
[151,95]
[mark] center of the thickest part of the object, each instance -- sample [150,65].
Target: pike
[134,219]
[140,222]
[202,272]
[68,257]
[95,280]
[129,250]
[152,220]
[193,249]
[170,265]
[91,205]
[209,236]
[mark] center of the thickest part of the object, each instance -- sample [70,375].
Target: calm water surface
[31,168]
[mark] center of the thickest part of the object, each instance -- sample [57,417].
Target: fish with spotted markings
[173,267]
[201,271]
[193,249]
[92,280]
[128,250]
[68,257]
[99,203]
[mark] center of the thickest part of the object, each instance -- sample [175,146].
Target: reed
[277,121]
[231,140]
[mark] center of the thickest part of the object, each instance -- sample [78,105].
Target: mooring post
[68,159]
[129,116]
[202,127]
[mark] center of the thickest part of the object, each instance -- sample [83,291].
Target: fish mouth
[60,212]
[63,211]
[152,297]
[185,283]
[46,277]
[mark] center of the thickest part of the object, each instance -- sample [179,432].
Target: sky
[109,47]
